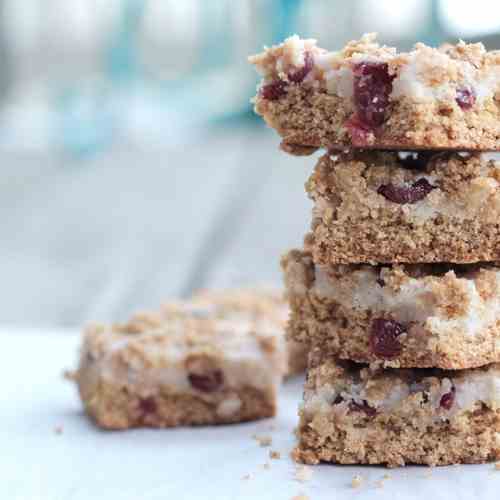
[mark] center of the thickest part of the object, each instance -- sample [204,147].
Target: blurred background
[133,168]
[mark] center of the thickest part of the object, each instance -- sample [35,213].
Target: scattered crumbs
[267,466]
[303,473]
[357,481]
[300,496]
[497,466]
[69,375]
[275,455]
[247,477]
[58,429]
[263,440]
[386,476]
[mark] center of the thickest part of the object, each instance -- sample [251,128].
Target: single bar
[370,96]
[418,315]
[353,415]
[379,207]
[191,363]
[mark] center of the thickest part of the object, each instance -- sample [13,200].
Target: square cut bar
[368,95]
[378,207]
[216,359]
[414,315]
[353,415]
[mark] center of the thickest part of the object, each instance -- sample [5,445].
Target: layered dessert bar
[354,415]
[368,95]
[190,363]
[413,315]
[376,206]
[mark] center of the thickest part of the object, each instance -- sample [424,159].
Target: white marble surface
[84,463]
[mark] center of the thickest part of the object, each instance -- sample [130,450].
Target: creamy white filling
[240,356]
[480,198]
[471,388]
[412,303]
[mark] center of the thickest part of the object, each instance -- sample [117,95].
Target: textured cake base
[114,407]
[312,118]
[396,441]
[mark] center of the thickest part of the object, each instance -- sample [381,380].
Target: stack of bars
[397,289]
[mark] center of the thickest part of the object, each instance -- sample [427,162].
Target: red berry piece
[406,194]
[208,382]
[147,406]
[372,88]
[364,407]
[298,75]
[466,98]
[384,338]
[274,90]
[415,160]
[359,132]
[448,399]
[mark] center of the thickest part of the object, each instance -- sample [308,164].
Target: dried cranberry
[298,75]
[273,91]
[466,98]
[372,87]
[406,194]
[147,406]
[384,338]
[358,131]
[415,160]
[364,407]
[208,382]
[447,399]
[339,399]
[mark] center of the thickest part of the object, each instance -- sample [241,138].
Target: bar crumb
[70,375]
[300,496]
[357,481]
[303,473]
[497,466]
[274,455]
[263,441]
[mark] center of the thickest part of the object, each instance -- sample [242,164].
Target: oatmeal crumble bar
[354,415]
[368,95]
[413,315]
[191,363]
[379,206]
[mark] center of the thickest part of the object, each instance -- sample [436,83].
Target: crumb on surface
[58,429]
[357,481]
[263,440]
[69,375]
[303,473]
[275,455]
[300,496]
[497,466]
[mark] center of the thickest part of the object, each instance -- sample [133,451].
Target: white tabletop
[82,462]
